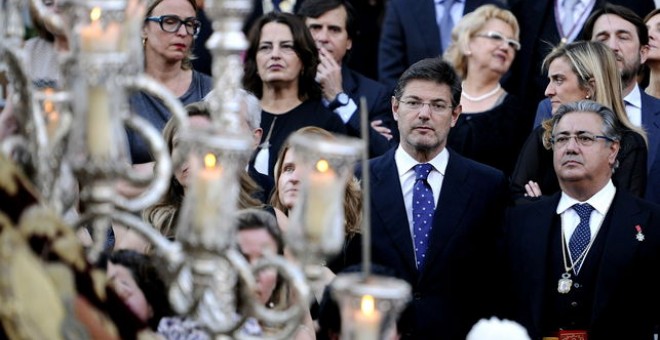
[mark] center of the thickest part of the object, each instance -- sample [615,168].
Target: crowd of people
[486,198]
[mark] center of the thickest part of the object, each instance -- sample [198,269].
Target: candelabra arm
[149,85]
[160,180]
[54,22]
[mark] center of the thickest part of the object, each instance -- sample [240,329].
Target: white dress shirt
[405,166]
[634,106]
[601,202]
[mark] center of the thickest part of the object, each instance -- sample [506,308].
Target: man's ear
[395,108]
[643,53]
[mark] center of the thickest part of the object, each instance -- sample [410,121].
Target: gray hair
[252,104]
[611,125]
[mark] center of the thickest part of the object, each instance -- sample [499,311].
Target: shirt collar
[405,162]
[634,98]
[601,201]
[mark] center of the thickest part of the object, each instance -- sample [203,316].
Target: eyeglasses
[499,38]
[416,105]
[583,139]
[172,23]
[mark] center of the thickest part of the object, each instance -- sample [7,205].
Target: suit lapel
[620,247]
[387,203]
[451,207]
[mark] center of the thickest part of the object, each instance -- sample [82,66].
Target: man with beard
[584,262]
[626,34]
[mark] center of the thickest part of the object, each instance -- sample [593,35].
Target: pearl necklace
[483,96]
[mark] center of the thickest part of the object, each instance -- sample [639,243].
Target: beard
[629,72]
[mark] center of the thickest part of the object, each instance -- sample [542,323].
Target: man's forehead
[579,121]
[612,24]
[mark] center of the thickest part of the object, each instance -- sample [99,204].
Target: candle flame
[367,305]
[48,104]
[95,14]
[322,165]
[209,160]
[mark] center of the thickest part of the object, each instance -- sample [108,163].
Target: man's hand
[378,126]
[328,75]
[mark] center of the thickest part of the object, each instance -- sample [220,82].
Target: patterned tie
[423,208]
[446,24]
[582,234]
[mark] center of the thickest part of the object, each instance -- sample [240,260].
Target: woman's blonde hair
[352,196]
[595,66]
[468,26]
[186,63]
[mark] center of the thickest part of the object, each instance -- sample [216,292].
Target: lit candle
[323,200]
[208,194]
[95,38]
[367,320]
[51,115]
[99,127]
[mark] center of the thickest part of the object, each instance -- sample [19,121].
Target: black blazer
[625,304]
[452,291]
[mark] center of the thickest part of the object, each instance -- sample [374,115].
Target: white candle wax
[208,195]
[323,200]
[95,38]
[367,320]
[99,128]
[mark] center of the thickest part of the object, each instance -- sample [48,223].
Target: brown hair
[303,44]
[352,196]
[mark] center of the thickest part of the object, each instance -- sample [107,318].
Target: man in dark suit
[411,32]
[584,261]
[434,213]
[539,33]
[626,34]
[332,24]
[261,7]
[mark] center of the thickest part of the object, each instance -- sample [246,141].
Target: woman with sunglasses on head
[492,126]
[168,36]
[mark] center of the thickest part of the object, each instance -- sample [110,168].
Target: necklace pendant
[564,284]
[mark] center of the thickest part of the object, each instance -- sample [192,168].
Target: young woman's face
[181,173]
[564,86]
[288,183]
[253,243]
[122,281]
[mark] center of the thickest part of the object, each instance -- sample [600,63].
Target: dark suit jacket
[379,105]
[410,33]
[258,11]
[451,293]
[653,189]
[625,304]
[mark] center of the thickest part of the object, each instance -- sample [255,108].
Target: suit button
[417,296]
[574,304]
[576,285]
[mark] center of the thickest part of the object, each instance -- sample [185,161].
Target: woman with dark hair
[168,35]
[139,285]
[258,233]
[280,67]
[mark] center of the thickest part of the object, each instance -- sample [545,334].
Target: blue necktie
[582,234]
[446,25]
[423,208]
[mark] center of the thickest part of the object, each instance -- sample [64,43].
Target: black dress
[492,137]
[309,113]
[535,164]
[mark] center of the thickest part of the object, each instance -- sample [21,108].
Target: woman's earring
[144,41]
[587,97]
